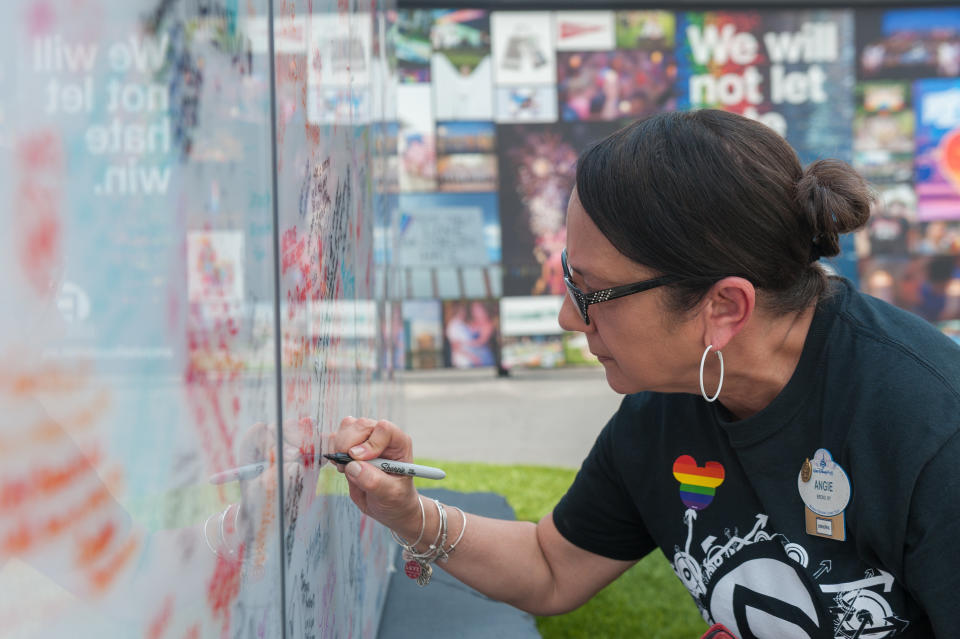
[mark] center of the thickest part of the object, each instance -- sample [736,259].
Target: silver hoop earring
[720,385]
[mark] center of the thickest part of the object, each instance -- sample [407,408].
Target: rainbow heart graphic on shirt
[698,484]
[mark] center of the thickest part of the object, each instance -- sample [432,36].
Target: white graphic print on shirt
[757,585]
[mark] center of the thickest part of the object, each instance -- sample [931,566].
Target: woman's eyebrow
[577,270]
[588,274]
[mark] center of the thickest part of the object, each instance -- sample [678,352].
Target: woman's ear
[726,309]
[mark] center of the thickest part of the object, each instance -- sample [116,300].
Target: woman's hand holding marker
[390,499]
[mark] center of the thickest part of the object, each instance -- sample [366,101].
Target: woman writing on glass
[775,420]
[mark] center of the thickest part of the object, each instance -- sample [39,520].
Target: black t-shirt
[875,386]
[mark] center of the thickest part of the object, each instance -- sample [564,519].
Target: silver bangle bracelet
[222,549]
[423,523]
[206,537]
[431,552]
[463,528]
[223,537]
[436,549]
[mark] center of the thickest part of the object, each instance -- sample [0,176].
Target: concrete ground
[543,417]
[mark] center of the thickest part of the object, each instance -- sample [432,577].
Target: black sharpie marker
[392,466]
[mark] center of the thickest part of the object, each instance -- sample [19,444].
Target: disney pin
[825,490]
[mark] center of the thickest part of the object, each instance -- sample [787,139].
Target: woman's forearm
[502,559]
[532,567]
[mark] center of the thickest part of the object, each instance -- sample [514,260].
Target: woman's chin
[616,379]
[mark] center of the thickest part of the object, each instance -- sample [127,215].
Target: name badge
[825,491]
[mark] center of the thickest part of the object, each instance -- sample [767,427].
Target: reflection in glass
[158,472]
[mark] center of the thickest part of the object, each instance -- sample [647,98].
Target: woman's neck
[762,360]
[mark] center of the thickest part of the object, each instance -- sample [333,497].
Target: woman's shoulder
[876,340]
[894,379]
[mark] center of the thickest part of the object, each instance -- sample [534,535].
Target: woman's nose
[569,317]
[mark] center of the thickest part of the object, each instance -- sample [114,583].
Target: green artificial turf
[646,602]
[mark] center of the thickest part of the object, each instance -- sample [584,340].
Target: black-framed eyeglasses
[583,300]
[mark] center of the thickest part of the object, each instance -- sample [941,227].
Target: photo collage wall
[494,108]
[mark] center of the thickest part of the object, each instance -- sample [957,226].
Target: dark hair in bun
[705,194]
